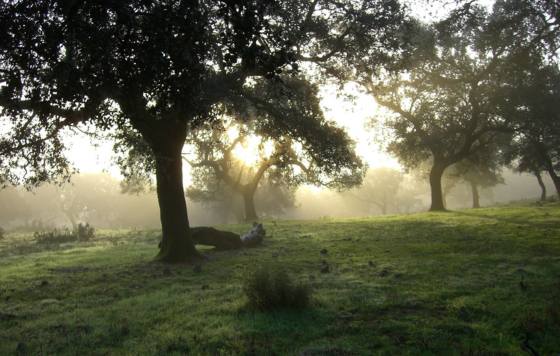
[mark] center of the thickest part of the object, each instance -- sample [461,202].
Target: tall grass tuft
[272,289]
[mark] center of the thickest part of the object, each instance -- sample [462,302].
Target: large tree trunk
[166,139]
[249,203]
[435,185]
[475,195]
[541,184]
[176,243]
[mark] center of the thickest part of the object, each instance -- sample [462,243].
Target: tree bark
[166,139]
[221,240]
[555,179]
[176,243]
[435,186]
[549,166]
[249,203]
[475,195]
[541,184]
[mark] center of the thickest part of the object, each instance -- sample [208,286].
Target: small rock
[197,269]
[44,283]
[324,251]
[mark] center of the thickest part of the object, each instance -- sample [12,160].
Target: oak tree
[157,68]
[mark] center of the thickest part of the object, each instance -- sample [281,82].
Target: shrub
[271,289]
[55,236]
[2,232]
[84,232]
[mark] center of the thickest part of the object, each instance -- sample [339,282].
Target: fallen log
[227,240]
[221,240]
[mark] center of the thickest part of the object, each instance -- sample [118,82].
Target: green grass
[483,281]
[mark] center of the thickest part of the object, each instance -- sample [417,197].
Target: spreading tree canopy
[444,88]
[302,146]
[532,103]
[157,68]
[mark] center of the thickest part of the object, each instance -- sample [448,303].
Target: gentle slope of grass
[468,282]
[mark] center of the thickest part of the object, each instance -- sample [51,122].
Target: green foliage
[155,66]
[532,102]
[2,233]
[83,232]
[268,288]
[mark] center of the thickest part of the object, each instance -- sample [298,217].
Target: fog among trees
[99,199]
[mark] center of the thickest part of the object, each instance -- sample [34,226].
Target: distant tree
[272,198]
[532,102]
[442,101]
[410,197]
[380,188]
[276,198]
[477,172]
[524,158]
[325,158]
[89,197]
[444,91]
[155,68]
[443,82]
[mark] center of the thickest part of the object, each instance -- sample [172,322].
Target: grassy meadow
[484,281]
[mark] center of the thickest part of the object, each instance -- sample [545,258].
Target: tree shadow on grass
[280,331]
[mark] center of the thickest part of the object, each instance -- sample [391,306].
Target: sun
[248,151]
